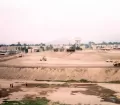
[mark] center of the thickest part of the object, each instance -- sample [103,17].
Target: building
[83,47]
[105,46]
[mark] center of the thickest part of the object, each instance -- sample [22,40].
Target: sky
[36,21]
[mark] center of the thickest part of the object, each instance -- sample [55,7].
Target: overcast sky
[38,21]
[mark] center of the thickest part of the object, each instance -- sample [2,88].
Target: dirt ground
[89,74]
[79,58]
[89,65]
[68,93]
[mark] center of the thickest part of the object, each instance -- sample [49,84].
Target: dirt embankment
[91,74]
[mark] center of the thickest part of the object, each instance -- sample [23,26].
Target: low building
[83,47]
[103,47]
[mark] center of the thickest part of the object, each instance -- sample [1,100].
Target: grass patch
[37,101]
[45,85]
[117,82]
[58,103]
[43,80]
[82,80]
[4,92]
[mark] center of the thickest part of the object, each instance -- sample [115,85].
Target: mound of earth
[89,74]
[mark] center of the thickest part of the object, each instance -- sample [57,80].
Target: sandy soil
[80,58]
[87,64]
[91,66]
[72,93]
[90,74]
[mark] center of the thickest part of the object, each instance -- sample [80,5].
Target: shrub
[84,80]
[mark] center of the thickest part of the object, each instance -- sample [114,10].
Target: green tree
[26,50]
